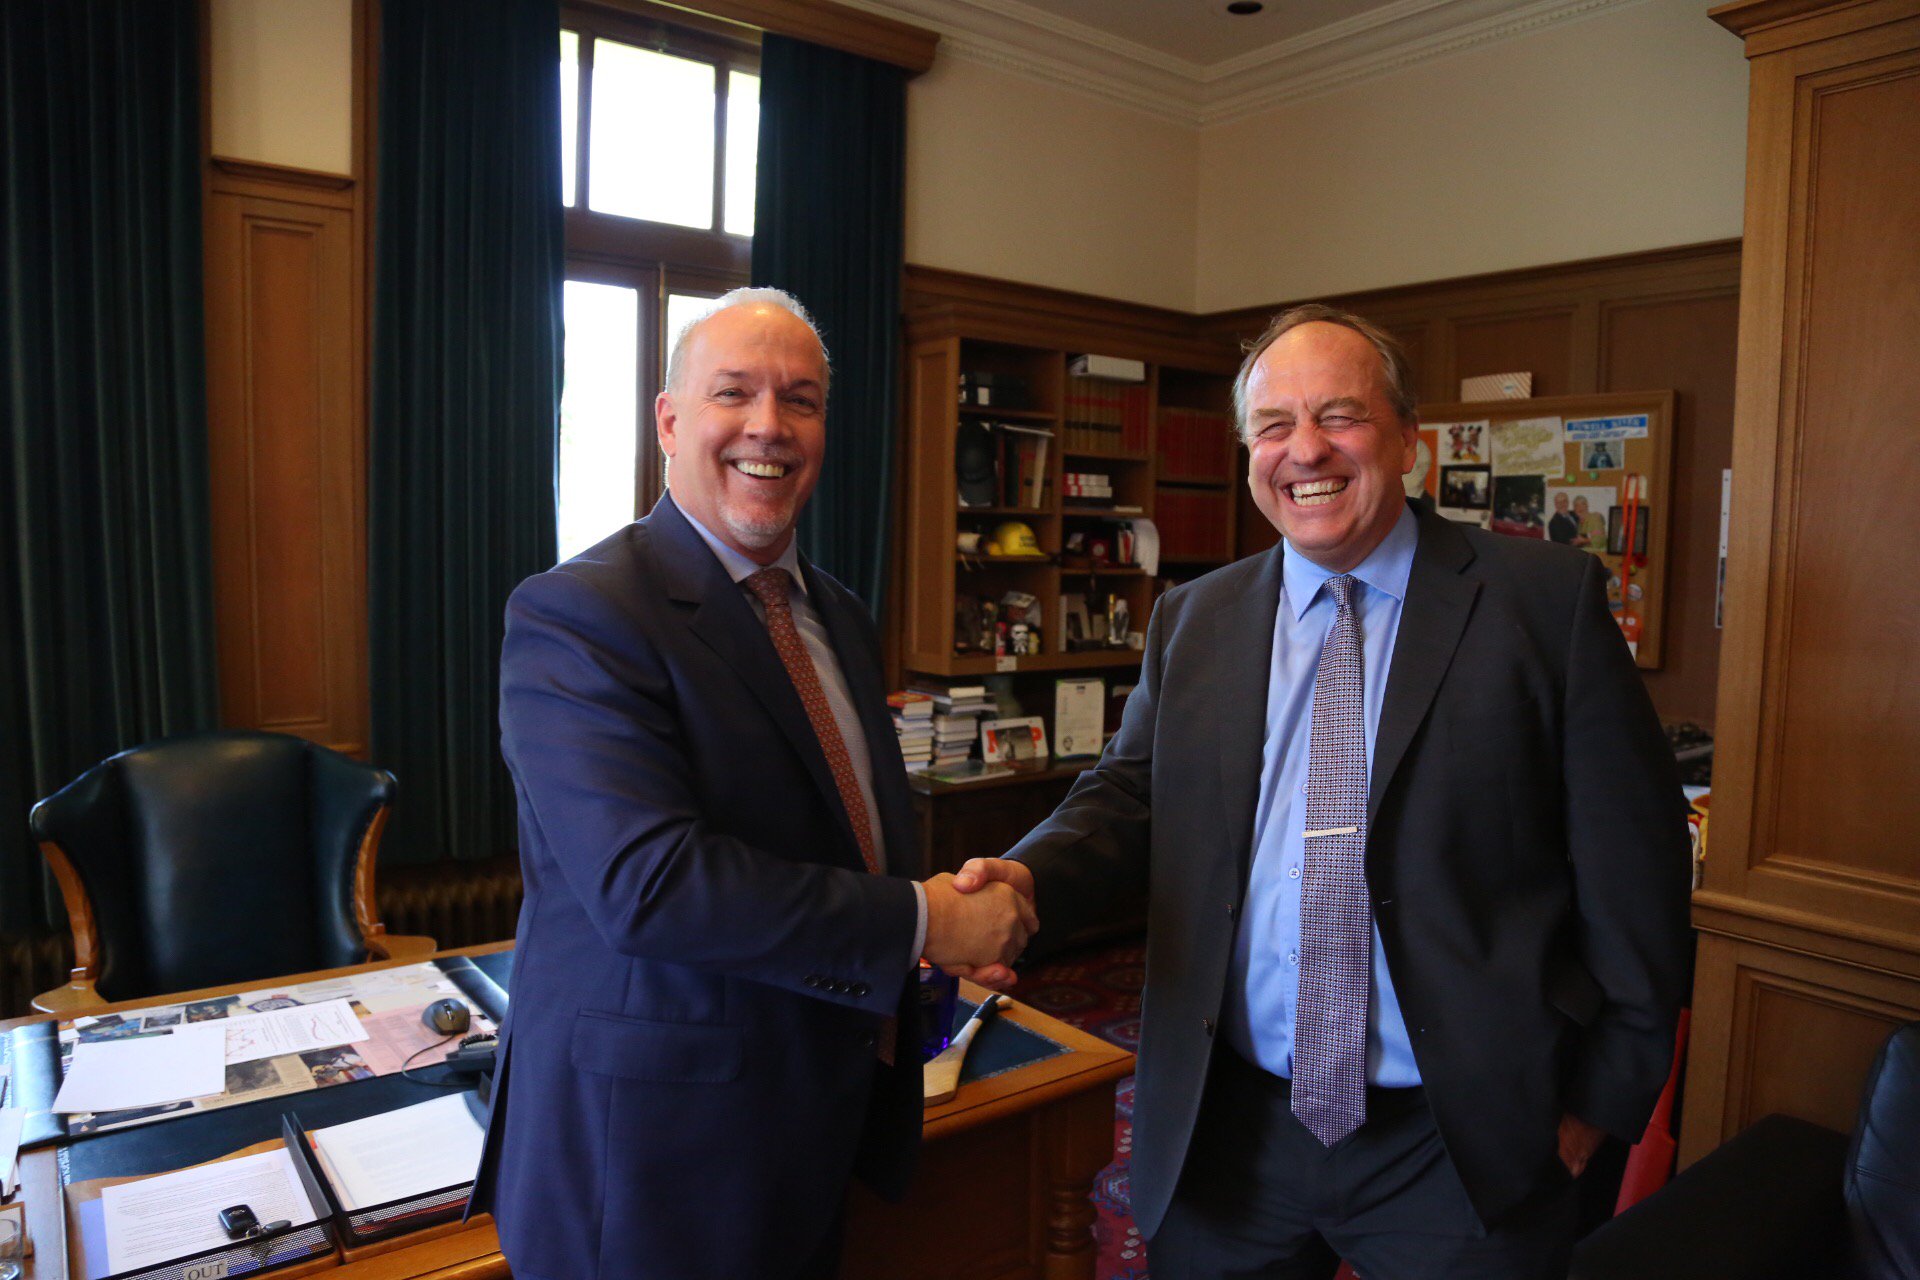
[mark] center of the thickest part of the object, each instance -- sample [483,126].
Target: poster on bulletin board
[1589,472]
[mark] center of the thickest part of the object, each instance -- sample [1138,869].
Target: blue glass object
[938,994]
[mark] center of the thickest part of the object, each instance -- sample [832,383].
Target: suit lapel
[1439,601]
[1243,664]
[727,624]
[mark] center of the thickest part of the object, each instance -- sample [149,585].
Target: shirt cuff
[920,926]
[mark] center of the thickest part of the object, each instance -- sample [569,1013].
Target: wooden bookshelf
[1032,353]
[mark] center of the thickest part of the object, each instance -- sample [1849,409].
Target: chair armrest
[400,946]
[1767,1204]
[77,996]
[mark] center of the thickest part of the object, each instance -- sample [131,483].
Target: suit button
[1233,909]
[862,989]
[841,987]
[1206,1025]
[813,980]
[869,1042]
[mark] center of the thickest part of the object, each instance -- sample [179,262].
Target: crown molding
[1017,37]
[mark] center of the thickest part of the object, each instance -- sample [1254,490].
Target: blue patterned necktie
[1336,923]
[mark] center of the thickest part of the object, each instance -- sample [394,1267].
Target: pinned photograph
[1425,476]
[1617,530]
[1465,441]
[1576,515]
[1520,506]
[1529,447]
[1470,488]
[1600,455]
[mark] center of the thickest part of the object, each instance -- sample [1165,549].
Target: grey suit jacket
[1527,855]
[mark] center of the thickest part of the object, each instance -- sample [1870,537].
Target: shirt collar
[1386,568]
[738,567]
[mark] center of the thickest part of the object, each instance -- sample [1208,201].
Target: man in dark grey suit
[1417,861]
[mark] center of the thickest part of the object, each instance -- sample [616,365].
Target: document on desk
[11,1120]
[172,1215]
[299,1029]
[397,1154]
[144,1070]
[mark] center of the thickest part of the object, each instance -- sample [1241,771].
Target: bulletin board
[1563,468]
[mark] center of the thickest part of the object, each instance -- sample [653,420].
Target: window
[659,131]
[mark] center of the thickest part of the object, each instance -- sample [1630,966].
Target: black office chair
[216,858]
[1787,1198]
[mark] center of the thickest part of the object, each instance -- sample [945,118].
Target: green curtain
[107,635]
[828,211]
[466,393]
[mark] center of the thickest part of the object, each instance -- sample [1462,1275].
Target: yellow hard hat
[1013,538]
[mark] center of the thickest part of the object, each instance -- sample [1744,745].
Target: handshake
[979,921]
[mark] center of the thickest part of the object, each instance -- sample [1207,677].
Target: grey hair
[1396,376]
[740,297]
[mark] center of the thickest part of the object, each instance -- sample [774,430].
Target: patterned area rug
[1098,991]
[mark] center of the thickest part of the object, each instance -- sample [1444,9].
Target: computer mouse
[449,1017]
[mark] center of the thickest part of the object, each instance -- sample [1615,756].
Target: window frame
[657,258]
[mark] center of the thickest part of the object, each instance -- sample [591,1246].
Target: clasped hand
[979,921]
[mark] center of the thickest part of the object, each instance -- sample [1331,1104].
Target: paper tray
[293,1251]
[377,1228]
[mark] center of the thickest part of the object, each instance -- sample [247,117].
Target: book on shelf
[1193,524]
[908,705]
[1103,416]
[1196,444]
[1022,463]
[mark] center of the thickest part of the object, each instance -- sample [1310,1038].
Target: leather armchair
[216,858]
[1787,1198]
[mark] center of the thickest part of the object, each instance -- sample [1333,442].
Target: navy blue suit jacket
[688,1074]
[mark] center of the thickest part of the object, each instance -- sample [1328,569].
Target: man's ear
[1409,445]
[664,421]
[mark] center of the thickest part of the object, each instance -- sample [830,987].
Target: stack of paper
[157,1220]
[401,1154]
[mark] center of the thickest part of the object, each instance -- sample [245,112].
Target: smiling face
[746,426]
[1326,447]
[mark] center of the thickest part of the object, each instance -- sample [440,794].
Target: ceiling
[1190,61]
[1202,31]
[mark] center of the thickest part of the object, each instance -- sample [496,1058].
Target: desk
[1001,1192]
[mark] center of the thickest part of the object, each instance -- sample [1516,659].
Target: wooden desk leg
[1077,1137]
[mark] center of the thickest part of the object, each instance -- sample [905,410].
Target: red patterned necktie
[771,585]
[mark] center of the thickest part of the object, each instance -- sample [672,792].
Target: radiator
[456,904]
[30,964]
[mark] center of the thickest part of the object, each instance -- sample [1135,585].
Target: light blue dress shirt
[1263,986]
[833,683]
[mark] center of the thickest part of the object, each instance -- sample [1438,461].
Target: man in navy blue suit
[711,996]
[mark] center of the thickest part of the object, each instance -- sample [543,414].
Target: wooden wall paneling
[933,371]
[1782,1031]
[1686,341]
[1539,342]
[1813,809]
[285,413]
[1810,916]
[1841,726]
